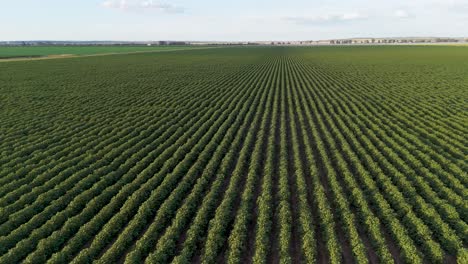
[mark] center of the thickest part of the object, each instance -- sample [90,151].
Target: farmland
[45,51]
[236,155]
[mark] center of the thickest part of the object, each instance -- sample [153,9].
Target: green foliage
[41,51]
[258,154]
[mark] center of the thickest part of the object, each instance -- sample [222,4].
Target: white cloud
[327,19]
[401,13]
[142,5]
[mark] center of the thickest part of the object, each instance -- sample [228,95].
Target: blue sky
[229,20]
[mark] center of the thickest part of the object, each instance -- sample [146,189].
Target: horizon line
[107,40]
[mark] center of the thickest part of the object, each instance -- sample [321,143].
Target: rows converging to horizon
[238,155]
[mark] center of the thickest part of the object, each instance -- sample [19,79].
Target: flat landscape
[54,51]
[235,154]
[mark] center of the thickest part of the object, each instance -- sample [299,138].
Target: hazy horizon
[220,40]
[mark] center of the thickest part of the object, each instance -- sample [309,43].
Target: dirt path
[67,56]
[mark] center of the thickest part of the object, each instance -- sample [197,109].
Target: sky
[238,20]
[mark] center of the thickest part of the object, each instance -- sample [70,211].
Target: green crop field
[43,51]
[237,155]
